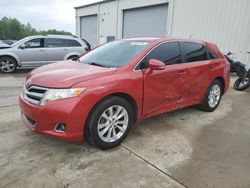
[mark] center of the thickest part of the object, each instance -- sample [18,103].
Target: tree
[11,28]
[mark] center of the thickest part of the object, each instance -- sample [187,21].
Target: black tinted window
[193,51]
[72,43]
[53,43]
[169,53]
[211,54]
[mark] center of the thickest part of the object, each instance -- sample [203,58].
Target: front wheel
[110,122]
[212,97]
[8,65]
[241,84]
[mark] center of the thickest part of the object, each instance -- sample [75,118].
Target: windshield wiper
[97,64]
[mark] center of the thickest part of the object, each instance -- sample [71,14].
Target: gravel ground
[186,148]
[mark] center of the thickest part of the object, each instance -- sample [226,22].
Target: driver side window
[34,43]
[169,53]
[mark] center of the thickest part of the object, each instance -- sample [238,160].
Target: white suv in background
[35,51]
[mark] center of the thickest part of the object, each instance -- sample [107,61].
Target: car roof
[142,39]
[163,39]
[52,36]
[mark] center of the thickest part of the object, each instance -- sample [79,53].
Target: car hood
[65,74]
[4,46]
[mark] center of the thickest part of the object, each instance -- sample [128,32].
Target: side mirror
[22,46]
[154,64]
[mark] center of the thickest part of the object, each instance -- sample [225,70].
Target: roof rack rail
[55,35]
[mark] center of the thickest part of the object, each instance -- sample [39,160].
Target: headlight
[55,94]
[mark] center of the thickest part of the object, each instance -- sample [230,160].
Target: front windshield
[21,41]
[114,54]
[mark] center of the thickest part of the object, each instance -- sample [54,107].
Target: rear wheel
[74,57]
[241,84]
[8,64]
[110,122]
[212,97]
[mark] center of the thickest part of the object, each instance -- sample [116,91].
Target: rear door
[56,49]
[163,89]
[197,68]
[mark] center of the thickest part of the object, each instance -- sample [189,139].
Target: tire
[8,64]
[212,97]
[73,58]
[100,128]
[239,86]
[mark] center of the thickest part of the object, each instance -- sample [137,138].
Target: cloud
[44,14]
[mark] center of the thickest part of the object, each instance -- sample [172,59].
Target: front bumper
[43,119]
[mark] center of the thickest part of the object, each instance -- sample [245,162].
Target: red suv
[120,83]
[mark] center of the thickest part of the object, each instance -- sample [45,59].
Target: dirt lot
[186,148]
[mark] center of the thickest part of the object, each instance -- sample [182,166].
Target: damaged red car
[105,92]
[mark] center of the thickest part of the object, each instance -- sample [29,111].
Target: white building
[224,22]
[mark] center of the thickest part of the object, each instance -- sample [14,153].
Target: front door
[33,54]
[163,89]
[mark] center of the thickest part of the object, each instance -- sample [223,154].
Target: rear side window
[72,43]
[193,51]
[169,53]
[211,54]
[54,43]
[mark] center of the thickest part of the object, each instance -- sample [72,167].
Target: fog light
[61,127]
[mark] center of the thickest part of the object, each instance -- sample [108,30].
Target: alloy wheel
[113,123]
[244,82]
[7,65]
[214,96]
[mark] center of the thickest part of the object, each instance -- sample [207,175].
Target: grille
[34,94]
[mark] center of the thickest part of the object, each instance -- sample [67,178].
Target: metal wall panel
[89,29]
[224,22]
[147,21]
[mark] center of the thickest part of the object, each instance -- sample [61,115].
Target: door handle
[42,50]
[210,67]
[181,72]
[65,49]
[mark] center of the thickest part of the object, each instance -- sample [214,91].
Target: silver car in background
[35,51]
[3,45]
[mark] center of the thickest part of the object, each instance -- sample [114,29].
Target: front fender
[13,55]
[129,84]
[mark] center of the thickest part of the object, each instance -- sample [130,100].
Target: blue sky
[43,14]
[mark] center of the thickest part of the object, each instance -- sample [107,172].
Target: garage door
[89,29]
[147,21]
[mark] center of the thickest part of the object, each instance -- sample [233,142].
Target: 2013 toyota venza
[120,83]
